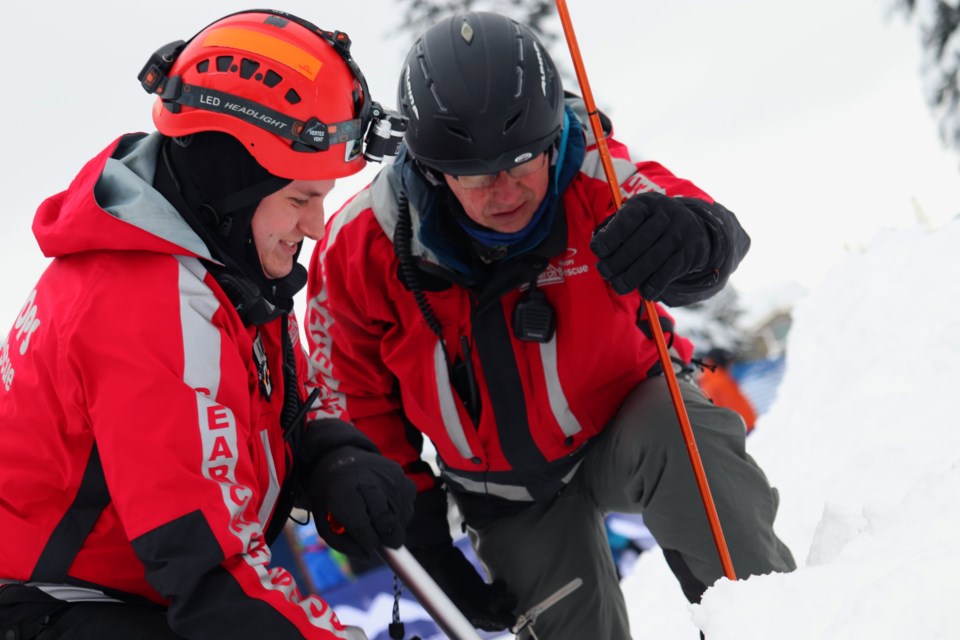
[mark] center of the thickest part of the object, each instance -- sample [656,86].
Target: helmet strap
[248,196]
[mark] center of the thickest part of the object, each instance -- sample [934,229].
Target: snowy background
[863,443]
[807,120]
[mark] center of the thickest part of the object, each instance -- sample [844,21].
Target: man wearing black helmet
[153,438]
[483,292]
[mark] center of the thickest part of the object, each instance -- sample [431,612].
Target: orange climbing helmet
[289,91]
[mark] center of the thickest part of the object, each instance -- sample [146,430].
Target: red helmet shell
[269,60]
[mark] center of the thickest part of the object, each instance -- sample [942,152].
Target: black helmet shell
[481,93]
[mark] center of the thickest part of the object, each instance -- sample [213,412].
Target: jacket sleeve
[184,452]
[348,319]
[729,242]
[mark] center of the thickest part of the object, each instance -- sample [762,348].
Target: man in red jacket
[460,297]
[152,431]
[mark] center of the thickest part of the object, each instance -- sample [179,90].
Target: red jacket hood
[112,205]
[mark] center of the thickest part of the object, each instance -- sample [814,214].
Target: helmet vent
[460,132]
[272,79]
[292,97]
[203,66]
[224,62]
[436,96]
[511,121]
[519,90]
[248,68]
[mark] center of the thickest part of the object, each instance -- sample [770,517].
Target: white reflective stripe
[270,496]
[558,401]
[386,209]
[331,403]
[201,340]
[513,492]
[218,435]
[69,593]
[350,212]
[448,404]
[216,422]
[506,491]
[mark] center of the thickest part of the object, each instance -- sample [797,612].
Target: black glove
[487,606]
[360,500]
[652,241]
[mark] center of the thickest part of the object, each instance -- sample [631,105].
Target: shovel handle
[446,614]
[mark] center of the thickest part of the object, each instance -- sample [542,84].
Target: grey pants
[639,465]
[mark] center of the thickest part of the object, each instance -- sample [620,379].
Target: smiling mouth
[289,247]
[508,212]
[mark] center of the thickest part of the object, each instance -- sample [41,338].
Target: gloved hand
[487,606]
[652,241]
[359,499]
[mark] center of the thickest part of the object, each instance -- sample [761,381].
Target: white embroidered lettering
[6,367]
[27,322]
[319,321]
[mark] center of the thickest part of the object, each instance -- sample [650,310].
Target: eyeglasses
[485,180]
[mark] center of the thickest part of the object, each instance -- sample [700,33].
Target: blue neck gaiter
[436,201]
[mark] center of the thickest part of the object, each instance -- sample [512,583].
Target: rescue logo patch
[263,367]
[559,269]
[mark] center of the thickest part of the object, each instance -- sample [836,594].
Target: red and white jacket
[141,453]
[385,370]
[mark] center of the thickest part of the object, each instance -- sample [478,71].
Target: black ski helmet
[481,93]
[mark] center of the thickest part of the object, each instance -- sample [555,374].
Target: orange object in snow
[722,388]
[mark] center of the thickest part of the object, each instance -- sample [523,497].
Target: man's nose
[506,184]
[311,223]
